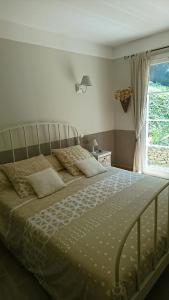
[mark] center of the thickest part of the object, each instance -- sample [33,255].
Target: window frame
[147,169]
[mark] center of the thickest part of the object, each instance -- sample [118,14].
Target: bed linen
[69,240]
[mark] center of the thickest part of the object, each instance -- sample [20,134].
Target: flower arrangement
[123,95]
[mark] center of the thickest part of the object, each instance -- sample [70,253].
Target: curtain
[140,65]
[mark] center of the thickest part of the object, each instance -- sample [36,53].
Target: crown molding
[141,45]
[25,34]
[22,33]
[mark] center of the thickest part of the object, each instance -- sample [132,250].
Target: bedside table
[103,157]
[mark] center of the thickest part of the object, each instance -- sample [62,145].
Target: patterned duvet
[69,240]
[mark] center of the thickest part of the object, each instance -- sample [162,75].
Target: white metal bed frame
[144,287]
[59,127]
[158,266]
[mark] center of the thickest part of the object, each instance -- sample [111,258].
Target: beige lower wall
[124,142]
[120,142]
[105,141]
[38,84]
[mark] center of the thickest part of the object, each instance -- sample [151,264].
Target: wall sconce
[81,88]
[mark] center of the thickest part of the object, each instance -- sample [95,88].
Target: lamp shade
[86,81]
[95,143]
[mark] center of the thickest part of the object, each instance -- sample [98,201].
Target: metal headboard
[23,136]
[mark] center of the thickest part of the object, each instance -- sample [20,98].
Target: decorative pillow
[54,162]
[4,182]
[17,172]
[45,182]
[90,167]
[68,156]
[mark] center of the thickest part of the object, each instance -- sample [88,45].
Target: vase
[125,104]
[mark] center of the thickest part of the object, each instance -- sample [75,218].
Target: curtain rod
[153,50]
[165,47]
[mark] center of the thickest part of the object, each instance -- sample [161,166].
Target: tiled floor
[160,291]
[15,282]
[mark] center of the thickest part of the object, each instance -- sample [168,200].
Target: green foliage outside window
[159,105]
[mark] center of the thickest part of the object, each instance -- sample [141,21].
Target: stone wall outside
[158,155]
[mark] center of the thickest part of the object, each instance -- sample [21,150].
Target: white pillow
[90,167]
[45,182]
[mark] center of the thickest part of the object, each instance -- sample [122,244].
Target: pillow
[17,172]
[45,182]
[54,162]
[90,167]
[68,156]
[4,182]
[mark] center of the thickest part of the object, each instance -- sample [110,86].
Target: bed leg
[119,292]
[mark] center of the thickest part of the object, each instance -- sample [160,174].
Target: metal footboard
[137,222]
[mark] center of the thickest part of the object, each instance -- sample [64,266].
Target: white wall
[38,84]
[121,80]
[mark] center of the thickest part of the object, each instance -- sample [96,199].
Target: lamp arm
[84,90]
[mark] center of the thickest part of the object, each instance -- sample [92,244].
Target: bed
[104,237]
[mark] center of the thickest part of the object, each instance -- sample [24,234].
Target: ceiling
[105,22]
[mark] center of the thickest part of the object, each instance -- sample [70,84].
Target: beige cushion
[17,173]
[54,162]
[68,156]
[90,167]
[45,182]
[4,182]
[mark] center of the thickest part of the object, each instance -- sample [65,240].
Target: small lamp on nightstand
[94,144]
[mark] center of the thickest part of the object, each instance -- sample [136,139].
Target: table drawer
[105,160]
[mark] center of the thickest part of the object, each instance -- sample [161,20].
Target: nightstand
[103,157]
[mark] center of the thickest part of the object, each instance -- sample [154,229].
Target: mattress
[69,240]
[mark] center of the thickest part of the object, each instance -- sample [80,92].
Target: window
[157,125]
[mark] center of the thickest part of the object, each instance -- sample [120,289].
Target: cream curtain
[140,64]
